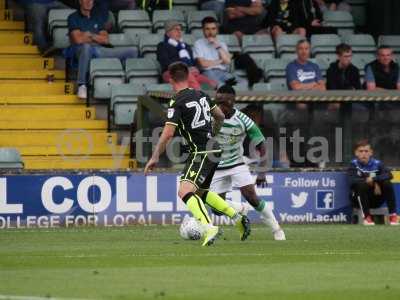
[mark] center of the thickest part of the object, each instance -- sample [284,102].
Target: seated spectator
[370,183]
[325,5]
[382,73]
[302,74]
[212,55]
[173,49]
[243,17]
[37,21]
[88,38]
[342,74]
[310,18]
[284,18]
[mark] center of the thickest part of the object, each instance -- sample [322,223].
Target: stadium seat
[270,87]
[362,44]
[322,64]
[186,6]
[258,46]
[393,41]
[275,69]
[360,61]
[342,20]
[286,45]
[148,44]
[359,11]
[137,21]
[161,87]
[231,41]
[194,20]
[105,72]
[142,70]
[58,27]
[162,16]
[10,158]
[323,46]
[120,40]
[123,103]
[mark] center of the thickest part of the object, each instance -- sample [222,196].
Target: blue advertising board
[118,199]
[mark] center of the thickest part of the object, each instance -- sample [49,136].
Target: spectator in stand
[383,73]
[370,183]
[243,17]
[284,18]
[37,21]
[212,55]
[310,18]
[325,5]
[302,74]
[342,74]
[173,49]
[88,38]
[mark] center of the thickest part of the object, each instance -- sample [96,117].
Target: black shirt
[190,111]
[343,79]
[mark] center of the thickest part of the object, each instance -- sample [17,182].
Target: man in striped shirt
[232,170]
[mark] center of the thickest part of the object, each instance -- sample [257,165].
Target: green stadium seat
[359,11]
[362,45]
[392,41]
[323,46]
[186,6]
[148,44]
[361,60]
[258,46]
[162,16]
[137,21]
[275,69]
[104,73]
[142,70]
[268,87]
[342,20]
[286,45]
[121,40]
[194,20]
[231,41]
[10,158]
[161,87]
[58,27]
[123,103]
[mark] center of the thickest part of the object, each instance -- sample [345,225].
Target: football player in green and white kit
[232,170]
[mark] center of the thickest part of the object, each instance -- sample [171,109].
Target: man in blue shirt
[302,74]
[88,37]
[370,183]
[37,17]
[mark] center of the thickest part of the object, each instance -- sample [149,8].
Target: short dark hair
[342,48]
[208,20]
[179,71]
[226,89]
[302,41]
[383,47]
[361,143]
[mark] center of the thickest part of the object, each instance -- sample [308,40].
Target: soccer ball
[191,229]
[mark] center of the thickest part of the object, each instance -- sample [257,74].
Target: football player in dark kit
[191,112]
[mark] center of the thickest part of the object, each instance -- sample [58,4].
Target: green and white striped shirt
[231,137]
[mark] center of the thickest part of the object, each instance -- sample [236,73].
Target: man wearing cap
[173,49]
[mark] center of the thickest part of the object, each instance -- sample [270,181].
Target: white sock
[268,218]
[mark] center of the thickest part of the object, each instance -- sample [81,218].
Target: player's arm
[219,118]
[263,163]
[167,134]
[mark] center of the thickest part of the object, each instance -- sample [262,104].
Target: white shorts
[224,180]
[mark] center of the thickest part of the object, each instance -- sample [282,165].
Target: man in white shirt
[212,55]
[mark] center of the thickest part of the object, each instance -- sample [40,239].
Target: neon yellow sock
[197,208]
[219,204]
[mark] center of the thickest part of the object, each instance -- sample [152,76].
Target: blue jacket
[358,171]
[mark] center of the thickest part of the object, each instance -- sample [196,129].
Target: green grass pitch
[153,262]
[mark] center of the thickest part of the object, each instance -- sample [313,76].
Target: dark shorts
[200,169]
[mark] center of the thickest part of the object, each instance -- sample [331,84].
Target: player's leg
[212,199]
[221,183]
[243,179]
[187,192]
[388,196]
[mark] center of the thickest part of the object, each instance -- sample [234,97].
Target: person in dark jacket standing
[370,183]
[383,73]
[342,74]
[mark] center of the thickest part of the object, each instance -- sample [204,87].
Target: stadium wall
[118,199]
